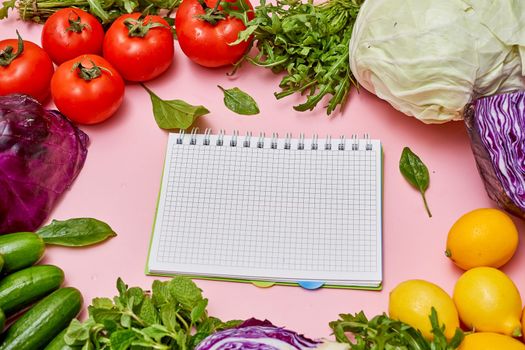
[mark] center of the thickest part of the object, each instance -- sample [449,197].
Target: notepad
[280,210]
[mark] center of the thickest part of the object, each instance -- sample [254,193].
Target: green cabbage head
[430,58]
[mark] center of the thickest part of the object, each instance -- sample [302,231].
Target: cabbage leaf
[41,153]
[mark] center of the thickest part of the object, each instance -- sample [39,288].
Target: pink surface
[121,178]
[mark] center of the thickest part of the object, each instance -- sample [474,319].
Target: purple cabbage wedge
[41,154]
[496,127]
[254,334]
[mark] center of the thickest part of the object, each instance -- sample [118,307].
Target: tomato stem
[90,73]
[137,27]
[75,24]
[7,56]
[211,15]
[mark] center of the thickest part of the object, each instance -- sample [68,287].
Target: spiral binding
[260,143]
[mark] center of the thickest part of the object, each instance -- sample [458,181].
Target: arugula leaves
[172,316]
[415,172]
[309,43]
[384,333]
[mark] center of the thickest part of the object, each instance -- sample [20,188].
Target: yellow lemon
[488,301]
[411,302]
[482,237]
[490,341]
[523,323]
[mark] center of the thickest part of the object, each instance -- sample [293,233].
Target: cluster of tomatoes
[92,65]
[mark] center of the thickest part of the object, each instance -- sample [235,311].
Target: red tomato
[71,32]
[205,43]
[140,49]
[28,72]
[87,89]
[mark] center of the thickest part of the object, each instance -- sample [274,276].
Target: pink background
[121,177]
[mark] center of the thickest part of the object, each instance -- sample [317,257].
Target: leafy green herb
[78,232]
[172,316]
[106,10]
[384,333]
[174,114]
[309,43]
[239,101]
[6,5]
[415,172]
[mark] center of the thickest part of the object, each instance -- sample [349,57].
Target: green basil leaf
[122,340]
[174,114]
[78,232]
[239,101]
[415,172]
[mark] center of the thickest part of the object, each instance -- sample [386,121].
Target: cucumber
[21,249]
[44,321]
[58,343]
[24,287]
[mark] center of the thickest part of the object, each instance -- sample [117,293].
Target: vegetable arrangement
[32,298]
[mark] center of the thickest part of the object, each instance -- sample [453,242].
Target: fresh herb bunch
[384,333]
[172,316]
[309,42]
[106,10]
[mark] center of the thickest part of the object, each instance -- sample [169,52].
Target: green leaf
[121,287]
[122,340]
[239,101]
[6,5]
[199,310]
[99,315]
[125,321]
[156,332]
[185,291]
[415,172]
[160,293]
[102,303]
[78,333]
[76,232]
[174,114]
[148,312]
[168,316]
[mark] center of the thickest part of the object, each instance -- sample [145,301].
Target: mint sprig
[172,316]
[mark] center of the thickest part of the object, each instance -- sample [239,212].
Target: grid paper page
[270,214]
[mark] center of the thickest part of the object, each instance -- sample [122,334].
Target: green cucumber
[44,321]
[20,249]
[58,343]
[24,287]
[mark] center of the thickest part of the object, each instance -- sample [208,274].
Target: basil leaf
[174,114]
[78,232]
[415,172]
[239,101]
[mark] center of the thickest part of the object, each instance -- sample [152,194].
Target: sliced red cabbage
[254,334]
[496,126]
[41,153]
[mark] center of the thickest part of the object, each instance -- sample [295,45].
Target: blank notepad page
[253,212]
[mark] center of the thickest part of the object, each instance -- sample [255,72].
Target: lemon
[411,302]
[490,341]
[482,237]
[488,301]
